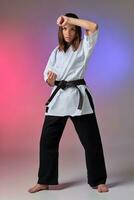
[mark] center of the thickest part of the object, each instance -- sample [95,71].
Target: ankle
[42,184]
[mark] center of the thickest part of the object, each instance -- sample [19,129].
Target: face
[69,32]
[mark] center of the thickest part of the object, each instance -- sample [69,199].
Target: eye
[73,29]
[64,28]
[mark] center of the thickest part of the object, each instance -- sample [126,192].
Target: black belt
[66,84]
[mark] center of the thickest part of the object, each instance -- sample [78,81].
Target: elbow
[96,26]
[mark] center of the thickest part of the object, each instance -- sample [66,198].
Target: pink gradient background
[28,33]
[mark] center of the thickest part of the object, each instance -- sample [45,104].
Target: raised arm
[89,26]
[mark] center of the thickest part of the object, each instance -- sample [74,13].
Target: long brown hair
[63,46]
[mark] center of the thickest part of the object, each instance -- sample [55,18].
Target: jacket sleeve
[50,64]
[89,42]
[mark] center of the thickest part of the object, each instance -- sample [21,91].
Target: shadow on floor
[65,185]
[125,177]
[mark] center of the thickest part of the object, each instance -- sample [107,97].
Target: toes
[37,189]
[102,188]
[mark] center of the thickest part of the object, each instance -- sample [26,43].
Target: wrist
[71,20]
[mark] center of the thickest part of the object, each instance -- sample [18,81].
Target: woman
[70,97]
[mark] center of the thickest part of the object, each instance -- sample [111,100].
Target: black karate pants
[88,132]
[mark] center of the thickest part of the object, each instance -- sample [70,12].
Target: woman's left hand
[62,20]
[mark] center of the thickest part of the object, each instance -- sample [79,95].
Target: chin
[68,41]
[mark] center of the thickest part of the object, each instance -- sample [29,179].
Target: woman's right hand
[51,78]
[62,20]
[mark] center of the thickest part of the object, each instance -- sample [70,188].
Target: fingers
[65,21]
[59,20]
[51,75]
[51,78]
[62,20]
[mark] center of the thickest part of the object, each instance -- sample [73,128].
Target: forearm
[86,24]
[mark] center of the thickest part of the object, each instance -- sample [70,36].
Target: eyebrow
[70,27]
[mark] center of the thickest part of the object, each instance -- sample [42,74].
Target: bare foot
[102,188]
[37,188]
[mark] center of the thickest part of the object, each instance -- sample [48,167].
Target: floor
[18,171]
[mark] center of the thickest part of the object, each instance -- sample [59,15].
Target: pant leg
[49,146]
[87,129]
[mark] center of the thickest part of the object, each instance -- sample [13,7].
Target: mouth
[67,38]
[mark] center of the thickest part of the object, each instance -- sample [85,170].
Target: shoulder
[53,52]
[55,49]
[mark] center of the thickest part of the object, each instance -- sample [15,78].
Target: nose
[68,32]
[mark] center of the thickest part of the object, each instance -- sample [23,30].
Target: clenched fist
[62,20]
[51,78]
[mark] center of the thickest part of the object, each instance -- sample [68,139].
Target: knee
[49,143]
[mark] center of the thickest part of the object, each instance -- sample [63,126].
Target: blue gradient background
[28,33]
